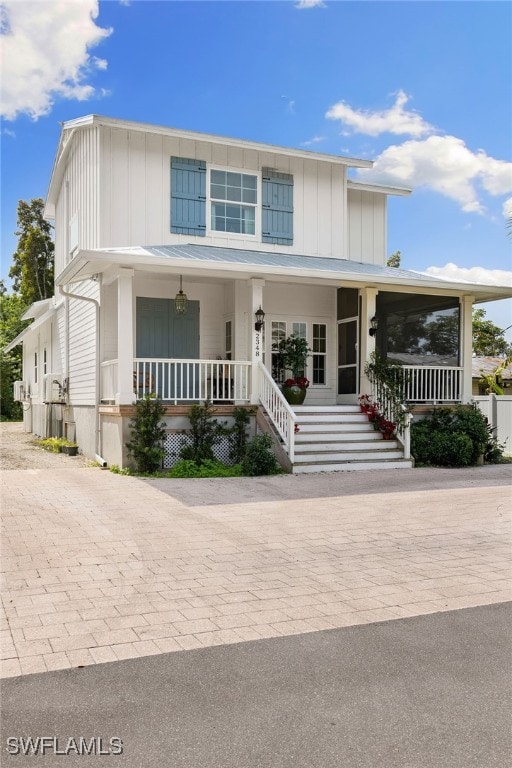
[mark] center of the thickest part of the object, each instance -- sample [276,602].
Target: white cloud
[472,274]
[507,208]
[46,53]
[444,164]
[304,4]
[396,119]
[314,140]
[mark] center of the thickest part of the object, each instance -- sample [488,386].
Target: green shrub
[205,433]
[454,438]
[147,435]
[238,435]
[451,449]
[52,444]
[259,458]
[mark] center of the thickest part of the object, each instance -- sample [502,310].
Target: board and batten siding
[135,192]
[79,197]
[82,345]
[367,227]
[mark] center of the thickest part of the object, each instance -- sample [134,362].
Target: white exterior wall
[367,227]
[82,345]
[135,193]
[79,197]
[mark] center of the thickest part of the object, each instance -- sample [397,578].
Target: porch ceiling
[215,261]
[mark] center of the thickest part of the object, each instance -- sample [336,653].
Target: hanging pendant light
[180,301]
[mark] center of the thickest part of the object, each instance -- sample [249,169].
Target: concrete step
[310,436]
[326,409]
[359,447]
[332,418]
[349,426]
[351,466]
[339,456]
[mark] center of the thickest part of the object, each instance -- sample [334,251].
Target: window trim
[256,206]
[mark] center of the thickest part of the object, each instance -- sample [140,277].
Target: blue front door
[163,334]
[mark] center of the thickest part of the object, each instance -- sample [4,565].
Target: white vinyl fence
[498,410]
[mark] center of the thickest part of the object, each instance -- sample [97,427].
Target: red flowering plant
[301,382]
[388,428]
[365,402]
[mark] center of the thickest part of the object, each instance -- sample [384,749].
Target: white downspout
[97,441]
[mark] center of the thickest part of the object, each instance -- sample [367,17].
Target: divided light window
[319,352]
[233,202]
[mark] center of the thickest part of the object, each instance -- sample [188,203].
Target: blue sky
[422,88]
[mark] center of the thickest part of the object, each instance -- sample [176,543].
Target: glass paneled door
[348,351]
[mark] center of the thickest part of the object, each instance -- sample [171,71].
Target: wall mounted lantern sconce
[260,319]
[180,301]
[374,324]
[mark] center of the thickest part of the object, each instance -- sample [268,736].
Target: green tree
[394,260]
[488,338]
[33,260]
[147,435]
[11,309]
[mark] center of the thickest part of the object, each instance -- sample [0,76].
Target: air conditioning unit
[20,391]
[55,388]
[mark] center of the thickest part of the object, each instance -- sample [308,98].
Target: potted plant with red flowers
[365,403]
[294,352]
[388,428]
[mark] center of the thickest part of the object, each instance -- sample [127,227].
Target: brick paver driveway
[98,567]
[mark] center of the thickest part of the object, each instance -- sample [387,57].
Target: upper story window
[237,203]
[233,202]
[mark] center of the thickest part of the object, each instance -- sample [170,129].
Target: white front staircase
[340,438]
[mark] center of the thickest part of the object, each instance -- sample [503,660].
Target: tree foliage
[488,339]
[394,260]
[11,324]
[33,261]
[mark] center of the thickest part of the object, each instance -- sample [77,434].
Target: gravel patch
[18,451]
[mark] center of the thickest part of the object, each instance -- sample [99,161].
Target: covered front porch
[216,349]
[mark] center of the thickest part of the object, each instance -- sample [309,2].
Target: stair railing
[388,399]
[278,410]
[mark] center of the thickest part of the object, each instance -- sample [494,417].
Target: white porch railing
[108,380]
[278,410]
[192,380]
[429,384]
[393,411]
[181,380]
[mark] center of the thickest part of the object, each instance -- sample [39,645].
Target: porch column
[466,307]
[368,310]
[256,337]
[125,333]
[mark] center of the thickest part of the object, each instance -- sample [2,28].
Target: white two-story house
[168,242]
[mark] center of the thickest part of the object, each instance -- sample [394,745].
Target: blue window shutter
[188,196]
[277,207]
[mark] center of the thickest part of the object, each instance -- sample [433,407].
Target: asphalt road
[431,692]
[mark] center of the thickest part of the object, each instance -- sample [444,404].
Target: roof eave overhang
[89,263]
[382,189]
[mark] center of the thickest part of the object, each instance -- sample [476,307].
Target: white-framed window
[228,340]
[316,336]
[45,362]
[233,202]
[278,330]
[35,368]
[319,354]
